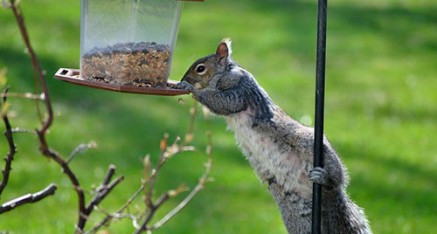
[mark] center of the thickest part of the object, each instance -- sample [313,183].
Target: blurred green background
[380,112]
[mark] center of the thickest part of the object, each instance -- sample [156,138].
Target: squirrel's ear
[224,49]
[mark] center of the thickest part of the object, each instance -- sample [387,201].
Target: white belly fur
[288,168]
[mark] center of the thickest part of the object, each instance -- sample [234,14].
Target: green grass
[380,112]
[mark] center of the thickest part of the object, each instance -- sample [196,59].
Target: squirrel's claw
[185,85]
[319,175]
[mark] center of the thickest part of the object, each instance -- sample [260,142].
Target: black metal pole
[319,111]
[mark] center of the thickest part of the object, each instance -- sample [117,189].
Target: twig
[153,208]
[71,176]
[109,217]
[21,130]
[200,185]
[150,176]
[38,71]
[28,198]
[190,131]
[30,96]
[79,149]
[12,149]
[103,190]
[203,179]
[148,184]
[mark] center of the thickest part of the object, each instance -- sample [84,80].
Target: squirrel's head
[204,69]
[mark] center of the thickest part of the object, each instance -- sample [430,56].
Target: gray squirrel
[279,148]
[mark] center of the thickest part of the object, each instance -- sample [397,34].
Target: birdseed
[142,64]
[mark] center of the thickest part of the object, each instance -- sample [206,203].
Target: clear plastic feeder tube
[128,41]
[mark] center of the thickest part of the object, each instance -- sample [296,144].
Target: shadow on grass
[401,29]
[386,181]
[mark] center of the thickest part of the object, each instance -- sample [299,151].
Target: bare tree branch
[153,208]
[117,214]
[172,150]
[28,198]
[201,184]
[104,189]
[83,210]
[203,179]
[12,149]
[71,176]
[142,221]
[38,71]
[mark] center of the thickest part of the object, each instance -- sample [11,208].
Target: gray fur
[279,148]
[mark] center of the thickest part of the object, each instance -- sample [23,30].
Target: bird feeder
[127,46]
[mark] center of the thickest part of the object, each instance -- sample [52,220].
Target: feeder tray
[73,76]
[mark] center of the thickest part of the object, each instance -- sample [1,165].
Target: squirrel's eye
[200,69]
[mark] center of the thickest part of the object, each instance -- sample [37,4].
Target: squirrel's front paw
[185,85]
[319,175]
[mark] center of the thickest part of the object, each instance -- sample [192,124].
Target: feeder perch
[127,46]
